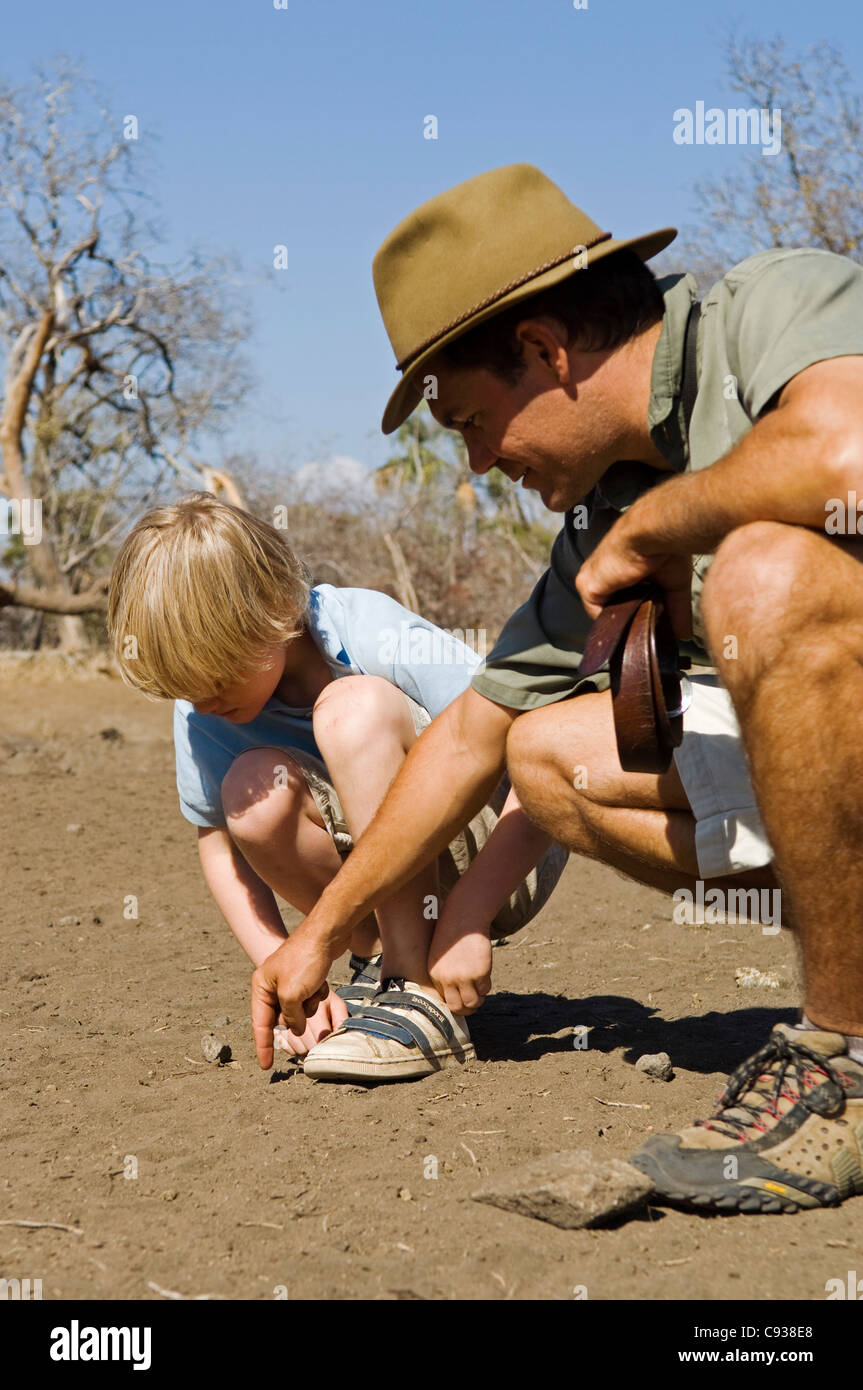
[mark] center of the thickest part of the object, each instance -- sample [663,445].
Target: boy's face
[243,701]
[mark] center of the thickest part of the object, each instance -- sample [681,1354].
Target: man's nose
[480,459]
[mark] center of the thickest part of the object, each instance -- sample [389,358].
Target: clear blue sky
[305,127]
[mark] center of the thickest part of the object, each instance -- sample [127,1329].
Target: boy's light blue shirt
[358,632]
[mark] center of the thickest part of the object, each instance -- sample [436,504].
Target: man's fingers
[264,1015]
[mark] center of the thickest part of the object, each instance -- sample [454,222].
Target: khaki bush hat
[471,252]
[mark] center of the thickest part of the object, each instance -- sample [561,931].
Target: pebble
[656,1064]
[215,1049]
[68,921]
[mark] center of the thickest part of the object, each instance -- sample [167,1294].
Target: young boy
[294,710]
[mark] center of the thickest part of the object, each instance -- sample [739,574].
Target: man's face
[554,439]
[243,701]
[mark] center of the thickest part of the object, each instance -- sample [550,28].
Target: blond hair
[199,590]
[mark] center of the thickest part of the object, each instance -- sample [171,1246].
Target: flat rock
[571,1189]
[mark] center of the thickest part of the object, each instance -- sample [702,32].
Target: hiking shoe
[404,1032]
[788,1133]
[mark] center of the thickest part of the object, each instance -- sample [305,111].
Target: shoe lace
[789,1066]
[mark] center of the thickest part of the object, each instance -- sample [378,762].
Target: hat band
[492,298]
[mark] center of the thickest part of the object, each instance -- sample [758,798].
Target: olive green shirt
[762,323]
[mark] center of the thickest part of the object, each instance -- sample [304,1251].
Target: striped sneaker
[365,981]
[405,1032]
[788,1133]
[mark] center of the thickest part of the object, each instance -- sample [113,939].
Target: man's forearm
[446,778]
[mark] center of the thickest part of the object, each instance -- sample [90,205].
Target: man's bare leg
[364,729]
[564,766]
[797,686]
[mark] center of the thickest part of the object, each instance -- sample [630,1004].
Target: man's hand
[330,1013]
[460,969]
[623,557]
[292,980]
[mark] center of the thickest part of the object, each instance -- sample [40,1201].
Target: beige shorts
[729,833]
[532,893]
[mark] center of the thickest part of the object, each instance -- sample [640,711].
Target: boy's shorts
[532,893]
[729,833]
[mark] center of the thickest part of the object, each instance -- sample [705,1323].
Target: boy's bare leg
[639,823]
[277,827]
[364,729]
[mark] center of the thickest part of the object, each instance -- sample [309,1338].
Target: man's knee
[780,593]
[567,747]
[756,588]
[348,708]
[258,790]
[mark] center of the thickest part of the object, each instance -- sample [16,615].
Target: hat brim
[407,395]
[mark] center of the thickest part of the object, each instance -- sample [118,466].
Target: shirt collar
[621,484]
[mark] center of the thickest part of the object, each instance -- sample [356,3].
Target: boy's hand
[460,969]
[330,1013]
[294,980]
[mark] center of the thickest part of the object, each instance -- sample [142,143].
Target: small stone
[406,1194]
[73,829]
[215,1050]
[68,921]
[571,1190]
[656,1064]
[169,1195]
[221,1022]
[349,1090]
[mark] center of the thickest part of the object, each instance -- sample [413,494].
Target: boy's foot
[788,1133]
[365,981]
[406,1031]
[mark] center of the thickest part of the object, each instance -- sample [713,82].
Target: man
[570,379]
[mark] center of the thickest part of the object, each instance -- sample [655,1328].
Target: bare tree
[114,364]
[811,192]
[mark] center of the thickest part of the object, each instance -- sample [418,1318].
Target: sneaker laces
[773,1063]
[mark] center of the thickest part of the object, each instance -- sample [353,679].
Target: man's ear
[544,344]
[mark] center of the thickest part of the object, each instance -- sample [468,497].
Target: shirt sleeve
[200,765]
[536,658]
[802,308]
[383,638]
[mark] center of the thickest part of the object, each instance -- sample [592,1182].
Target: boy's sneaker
[406,1031]
[788,1133]
[365,981]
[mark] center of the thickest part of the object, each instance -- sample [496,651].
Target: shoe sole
[757,1196]
[383,1069]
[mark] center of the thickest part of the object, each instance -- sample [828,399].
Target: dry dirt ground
[247,1182]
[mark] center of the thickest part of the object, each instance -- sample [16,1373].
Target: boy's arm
[460,951]
[446,778]
[244,900]
[250,910]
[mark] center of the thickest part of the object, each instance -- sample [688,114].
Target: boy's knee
[349,708]
[256,789]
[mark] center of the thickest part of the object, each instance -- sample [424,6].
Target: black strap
[689,384]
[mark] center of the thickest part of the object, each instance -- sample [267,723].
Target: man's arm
[793,460]
[446,778]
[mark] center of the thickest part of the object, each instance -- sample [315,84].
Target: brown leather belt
[634,638]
